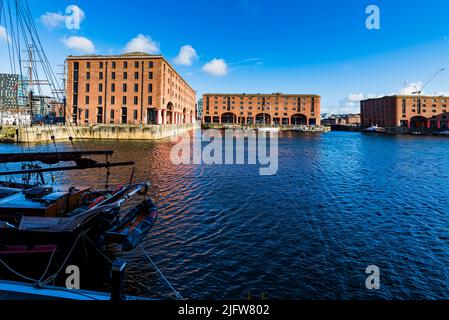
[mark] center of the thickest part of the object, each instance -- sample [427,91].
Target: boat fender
[85,198]
[136,236]
[96,201]
[117,189]
[144,190]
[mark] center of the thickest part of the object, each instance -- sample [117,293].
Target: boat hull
[135,226]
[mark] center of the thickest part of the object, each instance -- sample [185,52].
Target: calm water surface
[340,202]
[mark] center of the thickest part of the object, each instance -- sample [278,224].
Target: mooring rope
[177,294]
[16,272]
[98,250]
[39,282]
[43,284]
[53,277]
[48,266]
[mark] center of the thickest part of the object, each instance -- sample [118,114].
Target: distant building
[14,118]
[272,109]
[342,119]
[352,119]
[406,111]
[199,109]
[48,109]
[57,109]
[12,93]
[41,105]
[134,88]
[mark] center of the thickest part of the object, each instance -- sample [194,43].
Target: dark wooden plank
[50,157]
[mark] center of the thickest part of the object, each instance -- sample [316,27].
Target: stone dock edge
[46,134]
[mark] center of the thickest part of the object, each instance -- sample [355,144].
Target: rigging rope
[53,277]
[48,265]
[21,28]
[99,251]
[1,10]
[23,35]
[16,272]
[40,283]
[177,294]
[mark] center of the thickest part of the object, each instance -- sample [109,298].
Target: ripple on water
[340,202]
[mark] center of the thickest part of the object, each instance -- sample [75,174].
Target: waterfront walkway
[302,128]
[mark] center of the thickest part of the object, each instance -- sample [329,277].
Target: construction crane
[419,91]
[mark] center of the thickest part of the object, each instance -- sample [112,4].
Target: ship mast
[32,81]
[21,31]
[30,75]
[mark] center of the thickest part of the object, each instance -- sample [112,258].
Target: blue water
[339,203]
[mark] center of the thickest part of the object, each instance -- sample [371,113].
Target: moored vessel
[374,129]
[39,218]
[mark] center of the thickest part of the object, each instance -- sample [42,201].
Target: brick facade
[343,119]
[271,109]
[135,88]
[405,111]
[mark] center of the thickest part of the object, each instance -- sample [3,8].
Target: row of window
[111,113]
[377,104]
[114,75]
[403,111]
[424,105]
[268,103]
[433,111]
[114,64]
[124,87]
[250,114]
[258,108]
[124,100]
[259,98]
[425,100]
[125,76]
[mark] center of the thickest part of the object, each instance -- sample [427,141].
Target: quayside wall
[44,134]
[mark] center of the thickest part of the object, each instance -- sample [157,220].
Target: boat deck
[10,290]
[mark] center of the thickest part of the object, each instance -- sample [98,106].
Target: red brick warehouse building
[406,111]
[271,109]
[134,88]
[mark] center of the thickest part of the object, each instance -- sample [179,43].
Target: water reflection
[339,202]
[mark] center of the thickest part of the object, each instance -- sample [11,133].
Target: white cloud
[142,43]
[357,97]
[80,44]
[216,67]
[74,17]
[3,34]
[52,20]
[186,56]
[350,104]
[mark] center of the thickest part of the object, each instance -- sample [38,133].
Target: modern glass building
[12,92]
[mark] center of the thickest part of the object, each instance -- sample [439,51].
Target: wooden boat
[40,218]
[37,217]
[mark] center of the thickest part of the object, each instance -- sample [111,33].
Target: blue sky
[317,46]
